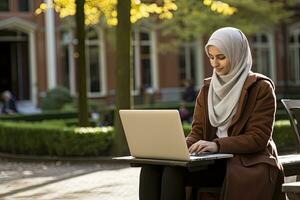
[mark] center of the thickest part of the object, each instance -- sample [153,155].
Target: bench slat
[291,164]
[291,187]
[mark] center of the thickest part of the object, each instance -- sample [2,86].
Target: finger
[199,148]
[192,148]
[205,149]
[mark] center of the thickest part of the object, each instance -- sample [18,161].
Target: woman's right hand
[203,146]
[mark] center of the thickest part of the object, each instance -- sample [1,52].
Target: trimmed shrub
[283,135]
[62,138]
[53,139]
[39,116]
[72,122]
[186,128]
[56,98]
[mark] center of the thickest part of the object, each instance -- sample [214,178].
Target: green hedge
[72,122]
[53,139]
[39,116]
[283,135]
[51,115]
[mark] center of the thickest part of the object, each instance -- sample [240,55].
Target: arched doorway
[14,63]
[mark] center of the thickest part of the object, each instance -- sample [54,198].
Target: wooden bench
[291,163]
[292,190]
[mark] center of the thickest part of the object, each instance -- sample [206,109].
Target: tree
[81,65]
[189,19]
[106,10]
[94,9]
[193,19]
[122,73]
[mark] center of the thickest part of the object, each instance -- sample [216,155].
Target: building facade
[37,54]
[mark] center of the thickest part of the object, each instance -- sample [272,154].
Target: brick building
[31,63]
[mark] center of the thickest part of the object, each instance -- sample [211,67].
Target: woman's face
[218,60]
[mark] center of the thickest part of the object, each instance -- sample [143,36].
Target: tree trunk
[123,89]
[81,65]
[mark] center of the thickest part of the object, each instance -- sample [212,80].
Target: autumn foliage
[96,10]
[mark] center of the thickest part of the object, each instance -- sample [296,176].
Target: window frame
[188,48]
[136,45]
[259,46]
[71,43]
[30,6]
[295,47]
[93,43]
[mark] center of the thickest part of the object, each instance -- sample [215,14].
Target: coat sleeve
[257,131]
[198,120]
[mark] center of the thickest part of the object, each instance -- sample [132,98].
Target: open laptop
[158,134]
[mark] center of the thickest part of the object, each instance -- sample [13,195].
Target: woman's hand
[203,146]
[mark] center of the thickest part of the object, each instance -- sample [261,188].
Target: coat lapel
[243,98]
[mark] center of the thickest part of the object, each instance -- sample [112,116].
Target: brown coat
[254,172]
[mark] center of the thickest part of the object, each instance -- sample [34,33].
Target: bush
[53,139]
[39,116]
[56,98]
[93,105]
[186,128]
[62,138]
[283,135]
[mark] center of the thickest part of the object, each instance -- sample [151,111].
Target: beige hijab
[225,90]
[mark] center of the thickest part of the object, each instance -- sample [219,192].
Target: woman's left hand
[203,146]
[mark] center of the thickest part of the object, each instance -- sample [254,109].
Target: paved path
[69,181]
[65,180]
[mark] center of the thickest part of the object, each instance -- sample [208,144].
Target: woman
[234,113]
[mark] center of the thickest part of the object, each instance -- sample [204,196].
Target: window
[65,56]
[4,5]
[262,55]
[142,59]
[25,5]
[93,62]
[294,57]
[187,61]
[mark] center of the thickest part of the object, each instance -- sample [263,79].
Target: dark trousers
[168,182]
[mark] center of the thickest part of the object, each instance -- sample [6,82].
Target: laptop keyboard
[201,153]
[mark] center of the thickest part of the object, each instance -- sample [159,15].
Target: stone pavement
[67,180]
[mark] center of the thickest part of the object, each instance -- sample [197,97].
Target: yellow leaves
[220,7]
[114,13]
[112,21]
[42,8]
[97,9]
[63,7]
[142,10]
[92,15]
[38,11]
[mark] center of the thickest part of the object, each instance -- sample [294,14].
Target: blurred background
[39,51]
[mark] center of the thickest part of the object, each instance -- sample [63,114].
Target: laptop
[158,134]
